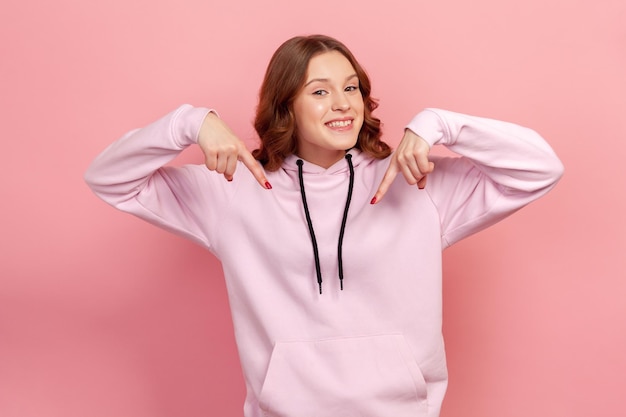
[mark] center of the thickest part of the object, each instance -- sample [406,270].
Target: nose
[340,103]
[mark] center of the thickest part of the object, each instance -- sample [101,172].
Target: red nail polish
[373,200]
[268,185]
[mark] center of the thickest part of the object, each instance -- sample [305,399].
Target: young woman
[332,259]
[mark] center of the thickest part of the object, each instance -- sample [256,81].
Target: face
[328,110]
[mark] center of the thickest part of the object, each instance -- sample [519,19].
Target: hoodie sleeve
[501,168]
[131,175]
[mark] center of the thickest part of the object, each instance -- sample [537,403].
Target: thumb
[425,166]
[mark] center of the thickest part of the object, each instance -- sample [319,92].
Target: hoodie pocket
[373,376]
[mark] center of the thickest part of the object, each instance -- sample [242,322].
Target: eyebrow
[325,80]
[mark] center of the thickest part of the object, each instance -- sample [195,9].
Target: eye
[320,92]
[352,88]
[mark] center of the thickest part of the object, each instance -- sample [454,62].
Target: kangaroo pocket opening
[373,376]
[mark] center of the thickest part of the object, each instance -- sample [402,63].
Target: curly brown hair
[284,78]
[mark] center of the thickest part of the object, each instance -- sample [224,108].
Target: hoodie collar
[341,166]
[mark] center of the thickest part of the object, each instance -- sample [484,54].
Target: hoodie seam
[199,238]
[441,234]
[225,208]
[486,213]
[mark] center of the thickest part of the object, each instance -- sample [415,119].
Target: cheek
[317,110]
[309,113]
[359,106]
[305,123]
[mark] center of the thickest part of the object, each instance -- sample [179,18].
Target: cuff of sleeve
[429,126]
[188,123]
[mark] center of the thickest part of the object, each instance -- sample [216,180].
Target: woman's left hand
[411,159]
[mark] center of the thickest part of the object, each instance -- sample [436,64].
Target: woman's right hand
[222,149]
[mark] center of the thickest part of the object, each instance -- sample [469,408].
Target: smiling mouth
[339,123]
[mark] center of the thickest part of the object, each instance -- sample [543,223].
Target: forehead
[329,65]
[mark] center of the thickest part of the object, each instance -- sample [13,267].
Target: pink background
[102,315]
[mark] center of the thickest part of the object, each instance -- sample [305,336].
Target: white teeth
[339,123]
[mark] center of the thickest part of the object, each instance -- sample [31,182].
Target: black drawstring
[345,217]
[310,223]
[318,270]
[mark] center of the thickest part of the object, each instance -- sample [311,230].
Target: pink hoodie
[374,348]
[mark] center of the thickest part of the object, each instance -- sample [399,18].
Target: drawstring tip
[341,284]
[320,287]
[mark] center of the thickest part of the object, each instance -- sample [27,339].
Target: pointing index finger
[388,178]
[255,168]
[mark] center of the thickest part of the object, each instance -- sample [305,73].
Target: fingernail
[268,185]
[373,200]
